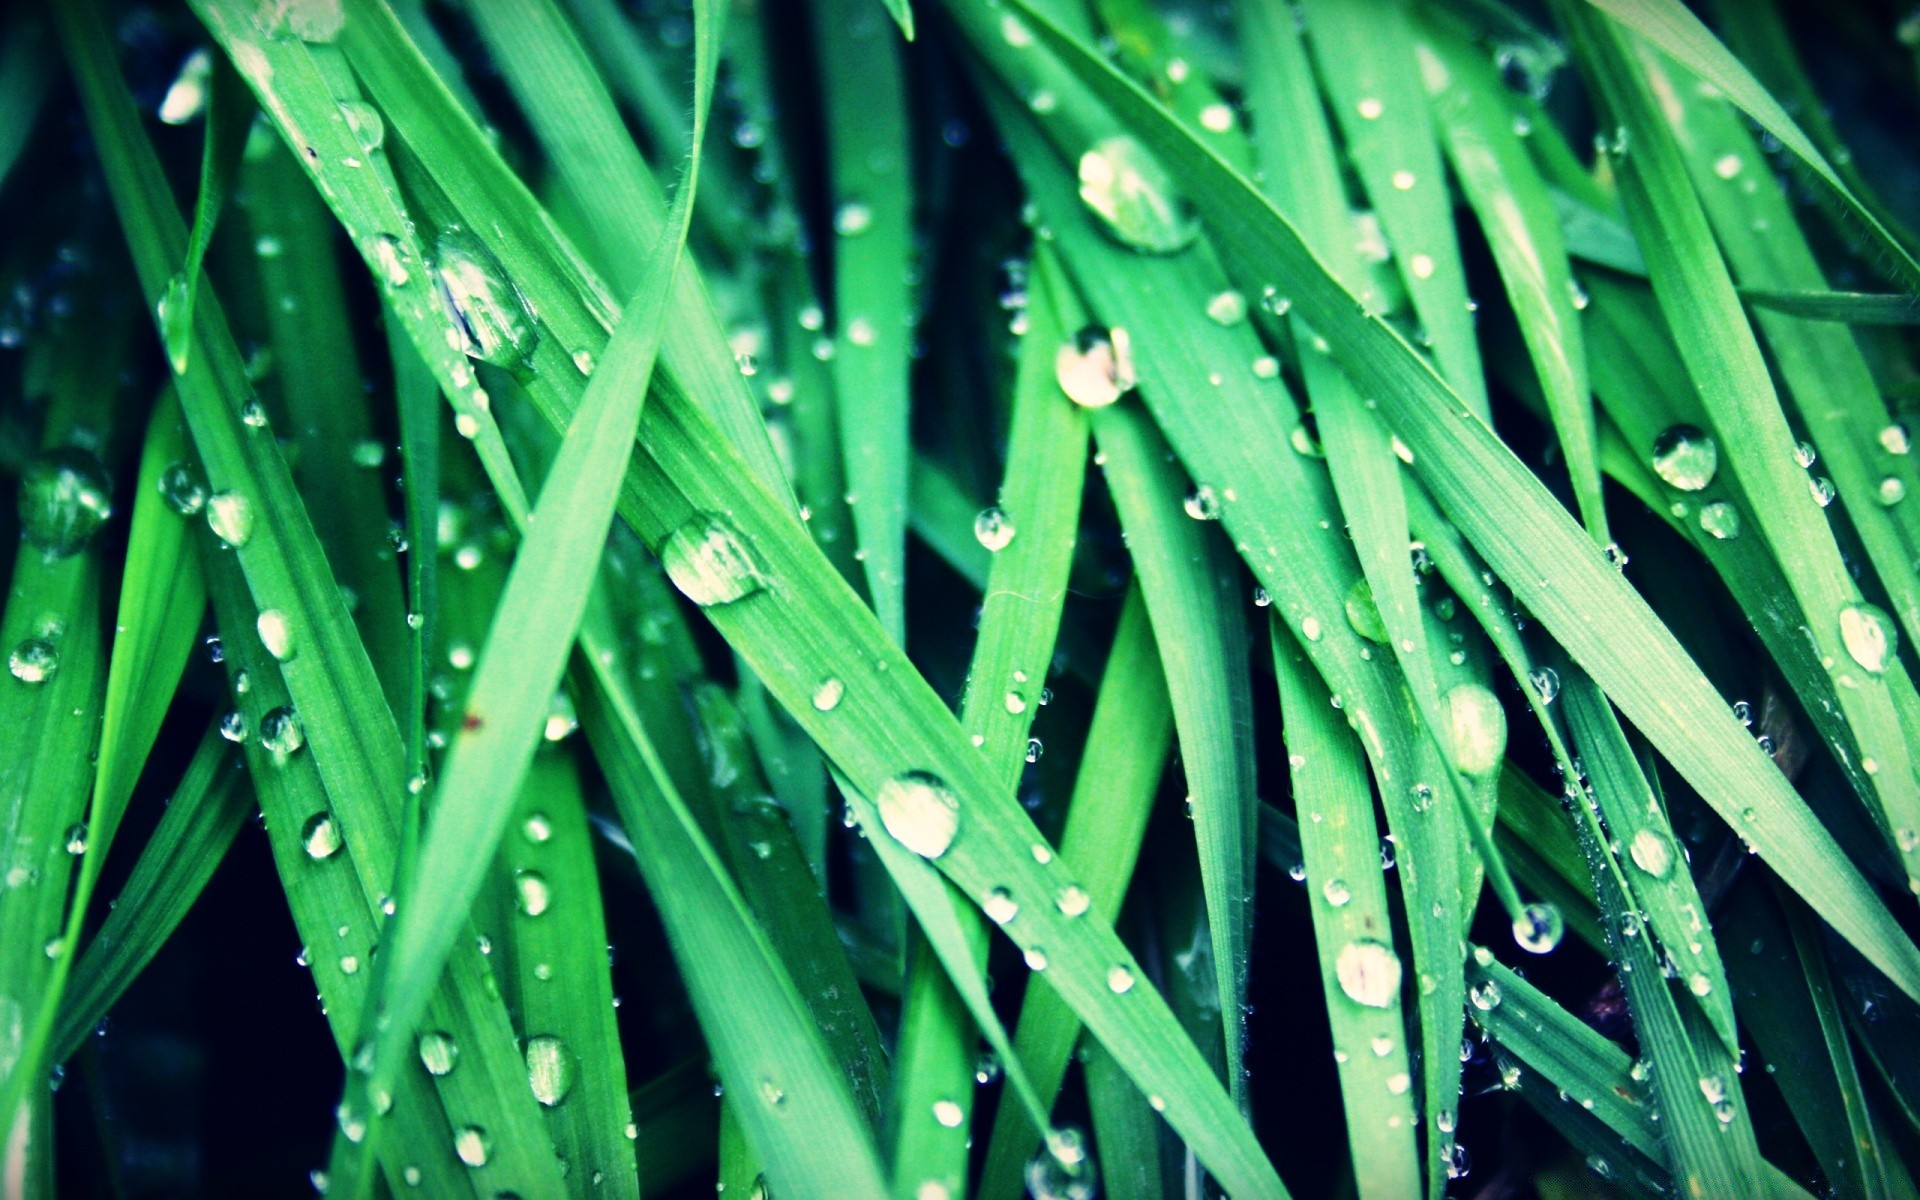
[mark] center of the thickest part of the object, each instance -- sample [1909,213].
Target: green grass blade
[1844,308]
[1516,214]
[902,13]
[1121,767]
[229,117]
[1370,73]
[1528,538]
[869,169]
[1668,25]
[1125,1129]
[519,669]
[206,811]
[1347,895]
[26,76]
[1690,281]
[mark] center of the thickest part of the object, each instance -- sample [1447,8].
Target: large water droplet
[1062,1169]
[1869,636]
[230,516]
[1132,194]
[281,732]
[182,488]
[439,1053]
[472,1145]
[1369,972]
[709,560]
[920,811]
[1686,457]
[1538,928]
[1095,366]
[65,497]
[34,660]
[549,1069]
[993,528]
[321,836]
[491,315]
[1477,728]
[1651,852]
[1363,614]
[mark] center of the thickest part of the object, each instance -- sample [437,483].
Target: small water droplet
[281,732]
[1538,928]
[1336,892]
[230,516]
[320,836]
[1478,728]
[472,1145]
[182,488]
[531,894]
[1227,308]
[1869,636]
[550,1069]
[1094,367]
[1651,852]
[34,660]
[993,528]
[1720,519]
[66,495]
[1119,979]
[827,694]
[1074,900]
[439,1053]
[949,1113]
[1000,906]
[1686,457]
[276,634]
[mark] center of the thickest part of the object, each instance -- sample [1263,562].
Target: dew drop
[472,1145]
[1227,308]
[1119,979]
[1094,367]
[1720,519]
[1369,972]
[1477,727]
[66,495]
[993,528]
[827,694]
[1000,906]
[1651,852]
[1134,197]
[1336,892]
[182,488]
[230,516]
[281,732]
[531,893]
[439,1053]
[487,310]
[549,1069]
[276,634]
[1538,928]
[920,812]
[1686,457]
[710,561]
[320,836]
[1869,636]
[34,660]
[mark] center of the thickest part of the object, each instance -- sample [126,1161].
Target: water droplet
[949,1113]
[852,218]
[710,561]
[186,98]
[531,895]
[1369,972]
[1477,728]
[1869,636]
[1363,614]
[1074,900]
[1890,491]
[276,634]
[1337,892]
[233,726]
[487,310]
[472,1145]
[827,694]
[1369,108]
[1062,1169]
[549,1069]
[230,516]
[320,836]
[1000,906]
[34,660]
[1227,308]
[1203,503]
[1538,928]
[281,732]
[76,840]
[1095,366]
[920,811]
[364,120]
[993,528]
[1119,979]
[1132,194]
[1546,684]
[1485,995]
[1686,457]
[1894,439]
[1821,489]
[1034,750]
[182,488]
[1036,958]
[1720,519]
[1727,166]
[1651,852]
[439,1053]
[65,497]
[1804,454]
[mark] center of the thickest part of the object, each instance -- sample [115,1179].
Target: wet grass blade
[1121,767]
[1347,894]
[229,117]
[206,811]
[868,161]
[1528,538]
[1843,308]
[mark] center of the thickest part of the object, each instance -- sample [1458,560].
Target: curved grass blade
[868,159]
[1121,767]
[1843,308]
[204,814]
[519,669]
[1516,214]
[1370,73]
[902,13]
[1528,538]
[229,118]
[1668,25]
[1691,283]
[1347,896]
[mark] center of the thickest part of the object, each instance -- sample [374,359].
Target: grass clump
[1211,501]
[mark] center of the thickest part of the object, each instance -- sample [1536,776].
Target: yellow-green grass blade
[321,391]
[206,811]
[902,13]
[1723,359]
[1373,82]
[869,169]
[229,117]
[467,1098]
[1514,207]
[1029,533]
[1785,991]
[532,632]
[1121,767]
[1827,376]
[1347,895]
[1669,25]
[1528,538]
